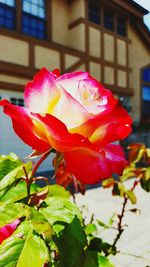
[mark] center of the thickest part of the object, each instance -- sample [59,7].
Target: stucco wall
[45,57]
[94,42]
[77,37]
[108,47]
[12,79]
[109,75]
[64,13]
[60,21]
[121,78]
[139,57]
[14,51]
[121,52]
[76,10]
[95,70]
[70,60]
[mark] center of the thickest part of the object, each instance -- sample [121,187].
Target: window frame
[116,15]
[13,10]
[36,18]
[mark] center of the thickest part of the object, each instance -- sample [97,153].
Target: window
[108,20]
[121,26]
[17,101]
[34,18]
[146,94]
[146,75]
[94,11]
[7,14]
[125,102]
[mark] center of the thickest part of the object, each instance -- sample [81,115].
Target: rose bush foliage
[76,116]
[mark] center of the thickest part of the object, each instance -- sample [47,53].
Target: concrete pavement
[135,239]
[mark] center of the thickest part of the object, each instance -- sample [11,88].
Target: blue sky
[145,4]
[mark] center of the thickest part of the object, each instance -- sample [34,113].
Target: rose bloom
[75,115]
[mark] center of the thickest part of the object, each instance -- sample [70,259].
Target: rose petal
[88,166]
[107,127]
[69,110]
[116,158]
[89,92]
[91,166]
[57,134]
[110,128]
[41,95]
[23,126]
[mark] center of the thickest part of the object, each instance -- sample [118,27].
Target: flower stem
[121,216]
[120,227]
[30,179]
[39,162]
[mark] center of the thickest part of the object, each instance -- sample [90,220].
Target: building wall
[139,56]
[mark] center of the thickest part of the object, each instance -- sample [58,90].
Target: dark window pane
[146,93]
[7,14]
[146,75]
[20,102]
[9,24]
[108,20]
[94,11]
[36,8]
[8,2]
[13,100]
[33,18]
[32,25]
[121,26]
[2,21]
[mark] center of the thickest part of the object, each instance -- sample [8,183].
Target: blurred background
[108,38]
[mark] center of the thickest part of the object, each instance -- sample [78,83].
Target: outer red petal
[116,158]
[90,166]
[57,134]
[106,128]
[23,126]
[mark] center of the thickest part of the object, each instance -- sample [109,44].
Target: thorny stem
[39,163]
[121,216]
[27,183]
[136,256]
[31,179]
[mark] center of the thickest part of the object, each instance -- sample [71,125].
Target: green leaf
[71,242]
[8,163]
[41,224]
[23,248]
[90,229]
[112,218]
[57,190]
[104,262]
[130,194]
[16,173]
[60,209]
[128,173]
[94,259]
[145,184]
[16,192]
[11,212]
[102,224]
[95,244]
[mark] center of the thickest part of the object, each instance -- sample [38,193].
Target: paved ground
[136,238]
